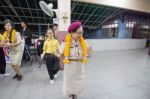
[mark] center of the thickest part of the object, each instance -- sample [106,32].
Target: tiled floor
[109,75]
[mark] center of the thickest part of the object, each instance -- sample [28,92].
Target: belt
[76,60]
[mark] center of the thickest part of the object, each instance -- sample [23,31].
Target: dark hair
[9,21]
[51,30]
[55,25]
[25,22]
[12,24]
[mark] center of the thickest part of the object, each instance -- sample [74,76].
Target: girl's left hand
[57,55]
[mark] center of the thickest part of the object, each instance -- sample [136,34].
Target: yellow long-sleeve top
[1,37]
[51,46]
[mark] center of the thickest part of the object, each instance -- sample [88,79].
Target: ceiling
[29,10]
[146,1]
[91,15]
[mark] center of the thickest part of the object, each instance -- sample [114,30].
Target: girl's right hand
[42,56]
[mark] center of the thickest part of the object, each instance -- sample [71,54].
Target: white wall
[115,44]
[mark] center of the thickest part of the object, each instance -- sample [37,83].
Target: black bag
[40,47]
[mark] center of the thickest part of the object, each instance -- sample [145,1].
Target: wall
[115,44]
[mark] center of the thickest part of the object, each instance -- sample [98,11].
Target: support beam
[12,8]
[137,5]
[121,30]
[30,10]
[111,16]
[7,11]
[64,12]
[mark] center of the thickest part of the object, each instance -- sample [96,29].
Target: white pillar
[64,10]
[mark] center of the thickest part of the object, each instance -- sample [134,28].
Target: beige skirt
[73,78]
[16,54]
[15,57]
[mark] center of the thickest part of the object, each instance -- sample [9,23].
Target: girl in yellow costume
[12,39]
[2,59]
[75,53]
